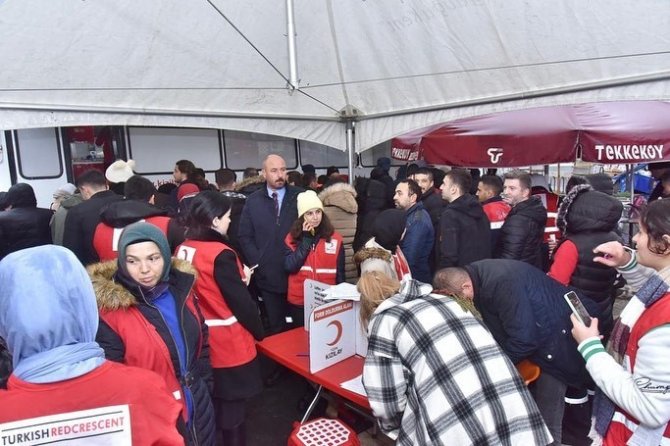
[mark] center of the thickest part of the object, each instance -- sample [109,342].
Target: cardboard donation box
[335,331]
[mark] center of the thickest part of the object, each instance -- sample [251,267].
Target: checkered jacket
[435,376]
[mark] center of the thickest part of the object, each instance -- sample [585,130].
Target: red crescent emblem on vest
[338,326]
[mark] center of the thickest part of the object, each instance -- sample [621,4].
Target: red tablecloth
[291,349]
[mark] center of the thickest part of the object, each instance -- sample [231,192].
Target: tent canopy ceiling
[399,65]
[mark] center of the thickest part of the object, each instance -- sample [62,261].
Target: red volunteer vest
[106,238]
[230,343]
[550,202]
[153,413]
[497,213]
[320,264]
[144,347]
[655,316]
[400,263]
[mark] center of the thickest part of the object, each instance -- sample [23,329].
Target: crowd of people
[461,276]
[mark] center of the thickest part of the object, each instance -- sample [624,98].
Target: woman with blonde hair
[453,363]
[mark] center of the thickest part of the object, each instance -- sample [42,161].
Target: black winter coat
[375,202]
[465,233]
[525,312]
[522,234]
[80,225]
[262,236]
[24,227]
[111,294]
[434,204]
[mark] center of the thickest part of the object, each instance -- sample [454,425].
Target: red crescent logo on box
[338,326]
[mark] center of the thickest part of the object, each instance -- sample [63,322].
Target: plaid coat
[435,376]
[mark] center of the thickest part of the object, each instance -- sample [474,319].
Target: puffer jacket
[339,201]
[589,218]
[112,296]
[522,233]
[250,185]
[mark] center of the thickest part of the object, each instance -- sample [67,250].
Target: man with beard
[266,218]
[522,233]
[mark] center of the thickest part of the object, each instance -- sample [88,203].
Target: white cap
[119,171]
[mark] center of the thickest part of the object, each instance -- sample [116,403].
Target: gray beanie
[144,232]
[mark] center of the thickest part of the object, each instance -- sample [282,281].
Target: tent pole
[351,149]
[292,53]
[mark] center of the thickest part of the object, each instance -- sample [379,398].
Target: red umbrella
[607,132]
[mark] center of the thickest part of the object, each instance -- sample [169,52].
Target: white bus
[47,158]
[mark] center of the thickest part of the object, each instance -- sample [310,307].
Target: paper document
[343,290]
[355,385]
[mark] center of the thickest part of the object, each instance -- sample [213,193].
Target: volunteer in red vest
[314,250]
[229,310]
[632,373]
[137,206]
[59,369]
[149,318]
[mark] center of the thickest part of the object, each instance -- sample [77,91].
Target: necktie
[276,200]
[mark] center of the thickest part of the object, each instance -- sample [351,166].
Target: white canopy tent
[389,66]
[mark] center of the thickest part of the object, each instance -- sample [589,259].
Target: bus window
[245,149]
[38,153]
[369,157]
[321,156]
[156,149]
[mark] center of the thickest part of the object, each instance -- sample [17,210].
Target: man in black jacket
[430,197]
[82,219]
[266,218]
[522,233]
[465,231]
[23,224]
[525,312]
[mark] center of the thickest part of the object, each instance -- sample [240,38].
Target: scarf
[653,290]
[148,293]
[60,363]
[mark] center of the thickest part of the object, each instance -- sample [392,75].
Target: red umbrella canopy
[608,132]
[624,132]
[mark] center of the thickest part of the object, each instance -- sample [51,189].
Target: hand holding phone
[577,308]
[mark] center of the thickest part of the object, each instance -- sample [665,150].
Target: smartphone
[577,307]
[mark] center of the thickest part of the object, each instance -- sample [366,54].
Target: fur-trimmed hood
[249,185]
[372,253]
[111,295]
[341,195]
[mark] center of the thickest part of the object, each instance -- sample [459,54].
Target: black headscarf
[389,226]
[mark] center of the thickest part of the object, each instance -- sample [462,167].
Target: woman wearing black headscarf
[382,252]
[149,318]
[230,312]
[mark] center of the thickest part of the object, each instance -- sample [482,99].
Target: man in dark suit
[266,218]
